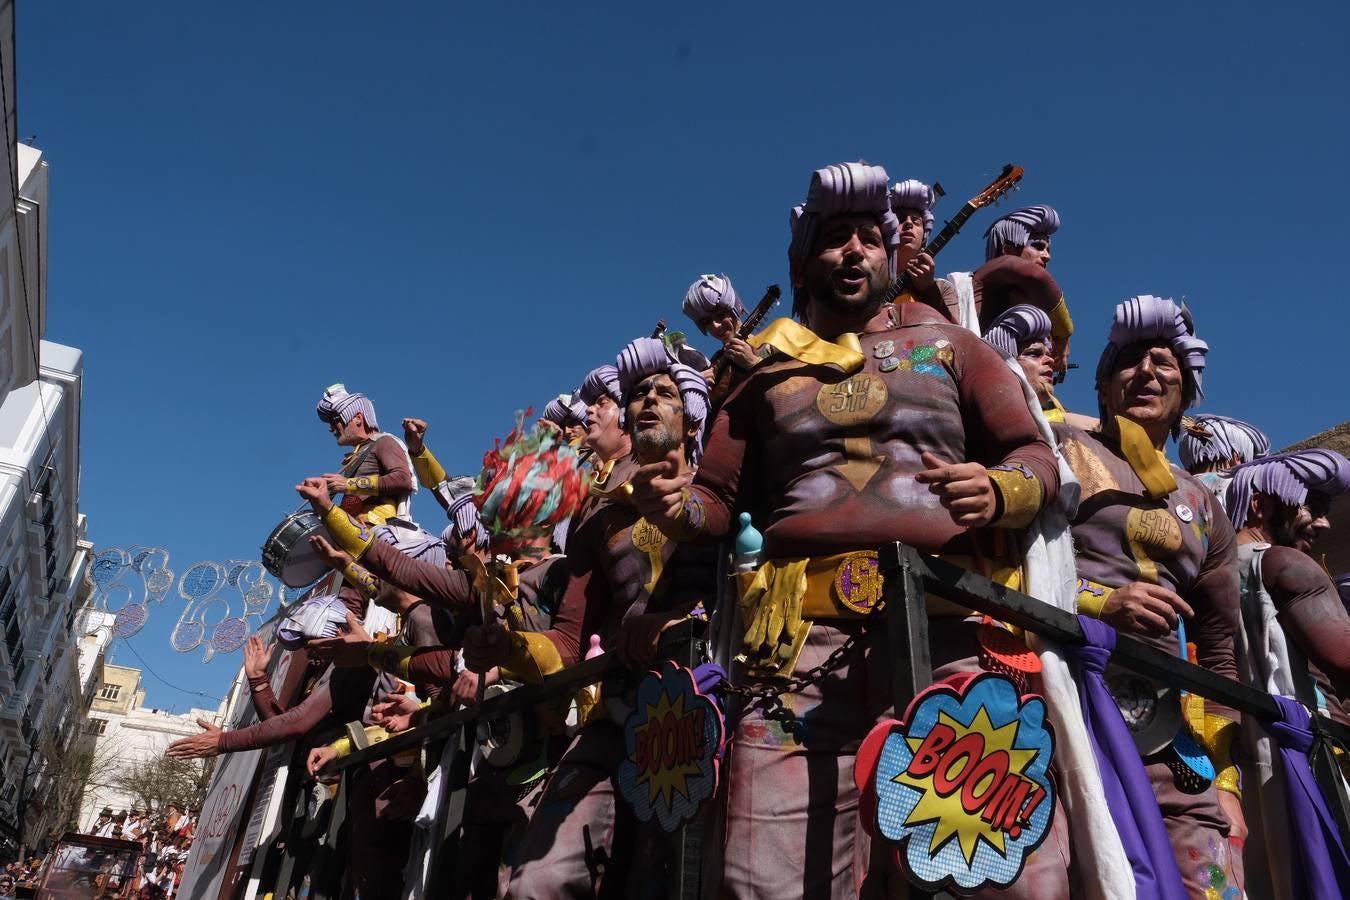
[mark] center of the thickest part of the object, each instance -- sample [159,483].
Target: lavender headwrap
[914,194]
[1288,477]
[1149,318]
[598,382]
[338,404]
[1017,227]
[1212,439]
[565,409]
[464,522]
[1018,325]
[838,190]
[709,294]
[317,617]
[420,545]
[645,357]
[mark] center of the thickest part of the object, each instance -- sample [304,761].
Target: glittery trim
[1021,495]
[1092,597]
[350,534]
[359,577]
[430,472]
[363,484]
[1220,733]
[533,656]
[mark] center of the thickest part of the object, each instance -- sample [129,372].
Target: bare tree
[160,780]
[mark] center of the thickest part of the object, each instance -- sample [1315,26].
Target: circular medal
[883,349]
[1184,513]
[853,401]
[857,583]
[890,364]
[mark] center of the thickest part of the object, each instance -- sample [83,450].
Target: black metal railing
[909,576]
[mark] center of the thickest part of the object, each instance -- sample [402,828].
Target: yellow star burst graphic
[660,780]
[952,820]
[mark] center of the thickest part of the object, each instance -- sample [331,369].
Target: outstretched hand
[658,488]
[336,559]
[964,490]
[197,746]
[414,435]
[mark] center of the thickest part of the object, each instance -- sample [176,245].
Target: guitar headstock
[1004,183]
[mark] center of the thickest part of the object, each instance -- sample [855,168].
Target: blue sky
[459,209]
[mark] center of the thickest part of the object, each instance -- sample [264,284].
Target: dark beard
[653,444]
[821,289]
[1281,526]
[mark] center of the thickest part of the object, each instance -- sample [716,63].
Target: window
[109,691]
[96,726]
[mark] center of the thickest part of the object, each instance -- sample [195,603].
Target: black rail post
[907,622]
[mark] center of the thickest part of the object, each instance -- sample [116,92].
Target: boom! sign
[674,738]
[963,787]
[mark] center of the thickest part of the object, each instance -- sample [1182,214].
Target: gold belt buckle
[858,583]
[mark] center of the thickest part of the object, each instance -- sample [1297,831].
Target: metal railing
[908,577]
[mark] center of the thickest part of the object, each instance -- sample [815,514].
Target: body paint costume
[620,566]
[1141,519]
[382,483]
[820,445]
[1294,642]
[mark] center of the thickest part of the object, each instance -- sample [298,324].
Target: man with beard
[1295,639]
[871,423]
[1153,546]
[628,585]
[1210,446]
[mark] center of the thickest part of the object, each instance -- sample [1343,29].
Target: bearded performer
[1295,638]
[381,485]
[1210,446]
[628,585]
[829,450]
[1154,545]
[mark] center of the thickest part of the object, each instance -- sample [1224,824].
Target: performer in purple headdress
[628,585]
[1023,232]
[865,424]
[1210,446]
[1295,639]
[912,202]
[381,485]
[712,305]
[1154,545]
[1023,333]
[568,413]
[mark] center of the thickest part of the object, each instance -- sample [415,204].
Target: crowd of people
[931,420]
[165,838]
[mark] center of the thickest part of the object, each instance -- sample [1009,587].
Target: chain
[771,691]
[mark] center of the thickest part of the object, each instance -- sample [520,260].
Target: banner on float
[962,785]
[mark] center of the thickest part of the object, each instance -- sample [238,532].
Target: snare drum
[287,553]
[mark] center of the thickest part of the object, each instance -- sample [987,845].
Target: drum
[287,553]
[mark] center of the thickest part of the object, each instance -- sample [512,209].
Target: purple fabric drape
[1128,792]
[1322,868]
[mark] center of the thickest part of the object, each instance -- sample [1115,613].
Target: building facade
[128,736]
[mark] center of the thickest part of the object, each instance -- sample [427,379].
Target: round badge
[1184,513]
[883,349]
[890,364]
[647,537]
[857,583]
[853,401]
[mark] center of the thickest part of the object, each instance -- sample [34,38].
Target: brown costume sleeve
[1311,612]
[941,295]
[437,584]
[432,669]
[1000,430]
[264,699]
[396,479]
[289,725]
[717,481]
[1214,596]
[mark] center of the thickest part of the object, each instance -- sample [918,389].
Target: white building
[43,552]
[128,735]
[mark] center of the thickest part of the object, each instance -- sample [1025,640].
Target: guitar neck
[933,247]
[759,312]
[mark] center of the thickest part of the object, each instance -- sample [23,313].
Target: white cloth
[968,317]
[1048,564]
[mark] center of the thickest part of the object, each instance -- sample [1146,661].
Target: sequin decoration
[925,357]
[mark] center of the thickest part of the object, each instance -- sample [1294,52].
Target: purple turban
[1149,318]
[839,190]
[1288,477]
[338,404]
[1017,227]
[317,617]
[1018,325]
[565,409]
[420,545]
[464,522]
[600,381]
[1217,439]
[645,357]
[709,294]
[914,194]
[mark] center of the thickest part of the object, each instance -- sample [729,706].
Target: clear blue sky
[461,208]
